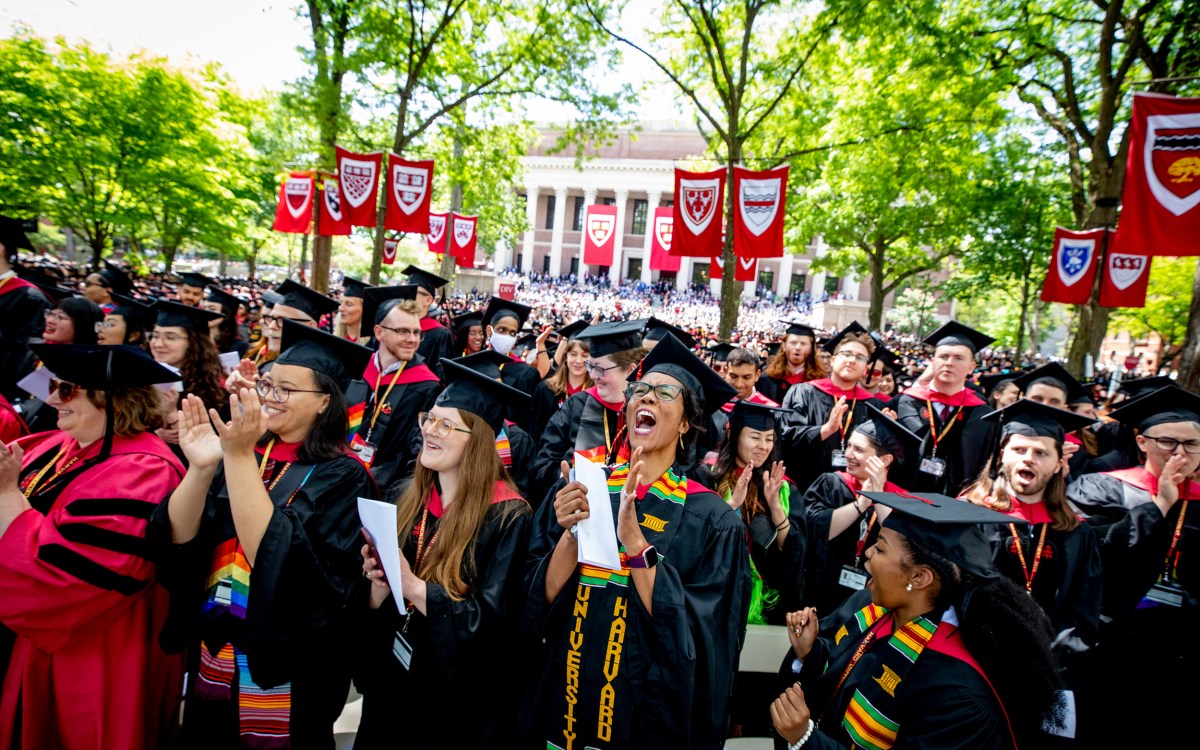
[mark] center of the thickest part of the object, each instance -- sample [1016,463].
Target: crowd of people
[967,548]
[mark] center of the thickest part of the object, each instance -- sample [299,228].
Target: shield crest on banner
[758,201]
[1172,160]
[437,228]
[333,200]
[699,203]
[298,194]
[389,251]
[1125,269]
[664,227]
[747,263]
[409,185]
[600,228]
[1074,258]
[358,178]
[464,229]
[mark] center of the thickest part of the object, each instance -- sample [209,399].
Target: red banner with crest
[699,208]
[358,180]
[436,239]
[745,269]
[760,199]
[295,209]
[463,239]
[331,219]
[1073,265]
[599,234]
[661,232]
[409,190]
[1160,203]
[389,250]
[1125,281]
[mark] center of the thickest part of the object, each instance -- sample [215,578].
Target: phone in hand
[374,553]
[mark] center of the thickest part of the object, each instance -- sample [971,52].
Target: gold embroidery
[888,680]
[654,523]
[841,633]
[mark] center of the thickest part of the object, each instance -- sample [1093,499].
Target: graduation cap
[656,329]
[720,352]
[14,234]
[947,527]
[115,278]
[480,394]
[183,316]
[353,287]
[308,301]
[466,321]
[890,360]
[334,356]
[502,308]
[572,330]
[198,280]
[103,368]
[990,383]
[796,328]
[1163,406]
[1055,375]
[774,346]
[671,357]
[1033,419]
[755,416]
[137,314]
[223,298]
[617,336]
[957,334]
[486,361]
[271,298]
[892,436]
[430,282]
[854,327]
[54,292]
[524,341]
[375,299]
[1141,386]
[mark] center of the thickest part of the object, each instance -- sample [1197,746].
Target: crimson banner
[1125,280]
[464,239]
[389,251]
[746,270]
[331,221]
[295,210]
[1073,266]
[716,267]
[599,234]
[699,202]
[358,177]
[1160,203]
[660,241]
[759,202]
[410,187]
[436,239]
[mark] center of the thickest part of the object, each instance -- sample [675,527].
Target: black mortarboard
[102,368]
[467,320]
[430,282]
[796,328]
[890,360]
[616,336]
[524,341]
[308,301]
[486,361]
[53,292]
[375,299]
[1164,406]
[136,314]
[353,287]
[305,346]
[946,527]
[854,327]
[720,352]
[14,234]
[671,357]
[1056,375]
[223,298]
[656,329]
[755,416]
[483,396]
[115,278]
[1033,419]
[990,383]
[894,437]
[773,348]
[271,298]
[1141,386]
[198,280]
[184,316]
[496,306]
[572,330]
[957,334]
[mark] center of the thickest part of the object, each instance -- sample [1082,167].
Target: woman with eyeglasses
[641,651]
[442,661]
[592,422]
[72,321]
[224,330]
[77,577]
[126,324]
[260,551]
[294,302]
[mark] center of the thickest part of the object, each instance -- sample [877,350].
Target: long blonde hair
[449,562]
[558,382]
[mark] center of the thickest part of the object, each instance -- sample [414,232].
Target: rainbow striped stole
[503,449]
[670,486]
[229,567]
[355,414]
[866,720]
[264,714]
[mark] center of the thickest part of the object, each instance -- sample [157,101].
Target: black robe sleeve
[435,344]
[557,444]
[525,379]
[522,451]
[542,406]
[21,323]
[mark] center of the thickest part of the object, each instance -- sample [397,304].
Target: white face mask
[503,344]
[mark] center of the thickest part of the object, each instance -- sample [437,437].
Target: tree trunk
[875,315]
[222,262]
[1093,319]
[252,263]
[1189,365]
[303,258]
[322,255]
[1024,312]
[731,298]
[456,195]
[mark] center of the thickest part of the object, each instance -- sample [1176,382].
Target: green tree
[913,312]
[1168,300]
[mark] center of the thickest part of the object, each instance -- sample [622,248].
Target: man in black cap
[99,287]
[437,340]
[946,413]
[21,308]
[1149,528]
[795,361]
[296,303]
[191,288]
[718,355]
[742,369]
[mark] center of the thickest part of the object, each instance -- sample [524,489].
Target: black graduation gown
[666,678]
[22,320]
[1151,647]
[306,597]
[942,703]
[558,442]
[775,388]
[396,433]
[459,688]
[543,405]
[437,341]
[965,448]
[781,569]
[808,456]
[525,379]
[521,454]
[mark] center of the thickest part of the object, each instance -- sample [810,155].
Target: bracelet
[812,725]
[783,525]
[542,351]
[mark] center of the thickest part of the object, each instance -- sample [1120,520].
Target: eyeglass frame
[270,320]
[55,314]
[630,395]
[446,428]
[861,359]
[592,368]
[279,393]
[174,337]
[402,332]
[105,325]
[1185,444]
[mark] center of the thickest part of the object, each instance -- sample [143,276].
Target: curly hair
[813,369]
[135,410]
[201,369]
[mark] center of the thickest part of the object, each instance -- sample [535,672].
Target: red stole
[856,486]
[594,392]
[13,284]
[1034,513]
[501,493]
[793,378]
[1144,480]
[857,393]
[755,398]
[428,324]
[419,373]
[965,397]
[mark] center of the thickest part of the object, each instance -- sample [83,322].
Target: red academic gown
[11,424]
[80,594]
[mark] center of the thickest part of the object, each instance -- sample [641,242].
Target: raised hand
[1168,483]
[876,475]
[10,467]
[738,496]
[802,630]
[197,439]
[834,422]
[774,483]
[246,424]
[790,714]
[628,529]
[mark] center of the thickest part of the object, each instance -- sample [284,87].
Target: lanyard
[1029,572]
[845,424]
[262,468]
[381,401]
[1171,563]
[858,652]
[872,515]
[32,485]
[933,433]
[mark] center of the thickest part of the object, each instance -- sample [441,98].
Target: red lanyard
[1171,563]
[933,433]
[861,544]
[1029,572]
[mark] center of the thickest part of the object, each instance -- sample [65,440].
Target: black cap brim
[854,327]
[1033,419]
[376,298]
[183,316]
[428,281]
[100,367]
[1051,372]
[957,334]
[894,437]
[1168,405]
[198,280]
[496,306]
[671,357]
[610,338]
[656,329]
[308,301]
[334,356]
[479,394]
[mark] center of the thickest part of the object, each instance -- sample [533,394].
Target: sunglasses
[66,391]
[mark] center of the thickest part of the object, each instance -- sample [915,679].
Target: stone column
[684,277]
[527,247]
[783,280]
[614,271]
[556,239]
[589,198]
[651,203]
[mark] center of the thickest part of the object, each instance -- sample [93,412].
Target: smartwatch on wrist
[646,560]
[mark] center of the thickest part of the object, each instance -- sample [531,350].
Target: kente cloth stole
[866,720]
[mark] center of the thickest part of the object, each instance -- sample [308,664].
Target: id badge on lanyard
[364,450]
